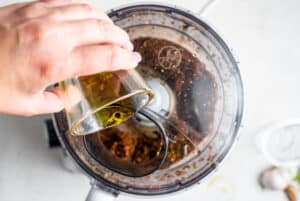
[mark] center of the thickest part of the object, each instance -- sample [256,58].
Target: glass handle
[97,193]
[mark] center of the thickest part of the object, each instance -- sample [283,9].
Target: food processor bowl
[198,98]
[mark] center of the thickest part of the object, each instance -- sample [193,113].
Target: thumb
[48,102]
[69,96]
[57,98]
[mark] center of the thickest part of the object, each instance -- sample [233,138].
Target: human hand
[47,41]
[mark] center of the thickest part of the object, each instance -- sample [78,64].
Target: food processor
[198,106]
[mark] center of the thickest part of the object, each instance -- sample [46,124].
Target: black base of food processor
[51,137]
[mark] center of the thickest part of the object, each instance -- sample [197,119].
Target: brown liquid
[186,126]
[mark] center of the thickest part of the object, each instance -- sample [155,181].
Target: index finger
[94,59]
[93,31]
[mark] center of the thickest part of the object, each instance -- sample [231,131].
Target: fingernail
[137,56]
[131,47]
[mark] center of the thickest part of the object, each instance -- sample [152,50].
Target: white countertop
[265,37]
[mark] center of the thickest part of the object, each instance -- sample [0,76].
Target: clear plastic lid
[198,99]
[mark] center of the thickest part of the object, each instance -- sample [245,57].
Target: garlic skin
[277,178]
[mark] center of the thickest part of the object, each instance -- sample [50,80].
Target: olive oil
[114,115]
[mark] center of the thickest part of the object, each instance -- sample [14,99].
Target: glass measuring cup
[103,100]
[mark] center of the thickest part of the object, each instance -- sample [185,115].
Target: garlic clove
[276,178]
